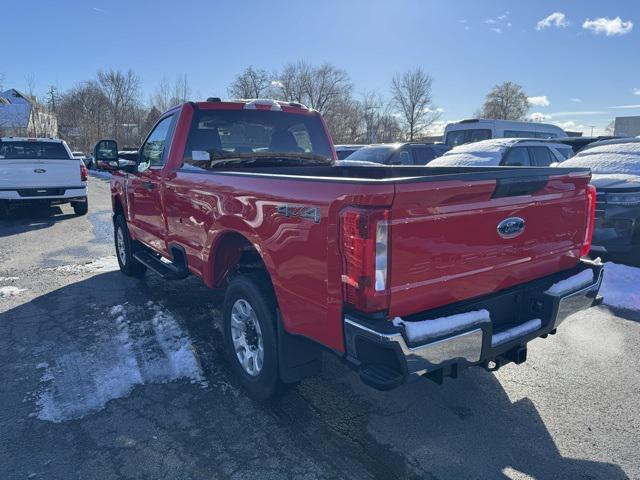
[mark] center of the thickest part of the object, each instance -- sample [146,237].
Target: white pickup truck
[41,171]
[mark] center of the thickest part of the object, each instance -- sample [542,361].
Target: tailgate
[445,239]
[27,173]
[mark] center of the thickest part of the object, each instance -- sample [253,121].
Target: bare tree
[251,83]
[168,95]
[121,90]
[83,115]
[610,128]
[411,95]
[40,122]
[506,101]
[321,87]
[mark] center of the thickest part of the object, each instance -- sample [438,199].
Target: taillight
[591,214]
[365,249]
[84,173]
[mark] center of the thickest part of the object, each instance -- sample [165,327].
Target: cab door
[145,187]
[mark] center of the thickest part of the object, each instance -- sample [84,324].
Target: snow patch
[10,291]
[104,264]
[621,286]
[571,284]
[515,332]
[148,346]
[100,174]
[419,331]
[8,279]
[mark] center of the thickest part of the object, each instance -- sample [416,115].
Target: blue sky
[468,46]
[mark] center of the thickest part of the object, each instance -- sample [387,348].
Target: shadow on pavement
[27,218]
[468,428]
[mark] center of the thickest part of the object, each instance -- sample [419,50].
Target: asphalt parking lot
[109,377]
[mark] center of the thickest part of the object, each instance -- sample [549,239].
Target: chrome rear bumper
[370,342]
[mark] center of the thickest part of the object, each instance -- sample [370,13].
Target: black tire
[256,290]
[80,208]
[124,252]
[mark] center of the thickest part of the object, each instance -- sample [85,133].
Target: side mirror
[105,154]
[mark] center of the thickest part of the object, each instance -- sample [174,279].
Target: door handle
[148,185]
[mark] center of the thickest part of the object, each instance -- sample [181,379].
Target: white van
[474,130]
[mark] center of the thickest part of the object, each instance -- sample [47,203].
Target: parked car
[578,143]
[343,151]
[41,171]
[86,159]
[511,152]
[615,165]
[478,129]
[413,153]
[396,270]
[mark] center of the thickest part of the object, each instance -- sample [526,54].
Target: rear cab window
[33,150]
[217,135]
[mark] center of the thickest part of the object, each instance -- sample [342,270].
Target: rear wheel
[249,327]
[80,208]
[128,264]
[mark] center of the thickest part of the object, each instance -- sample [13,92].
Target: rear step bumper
[385,354]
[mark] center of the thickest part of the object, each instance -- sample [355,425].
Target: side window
[422,155]
[400,157]
[455,138]
[478,135]
[157,144]
[541,156]
[517,157]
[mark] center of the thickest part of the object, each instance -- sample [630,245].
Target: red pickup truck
[397,270]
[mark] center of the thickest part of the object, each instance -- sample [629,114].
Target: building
[22,116]
[627,126]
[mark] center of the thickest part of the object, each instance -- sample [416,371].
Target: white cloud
[541,101]
[556,19]
[99,10]
[497,30]
[608,26]
[627,106]
[636,91]
[576,100]
[539,117]
[577,114]
[498,24]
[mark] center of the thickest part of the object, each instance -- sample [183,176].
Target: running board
[168,271]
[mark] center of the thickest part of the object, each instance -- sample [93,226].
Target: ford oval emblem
[511,227]
[39,170]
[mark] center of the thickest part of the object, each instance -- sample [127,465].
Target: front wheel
[249,327]
[128,264]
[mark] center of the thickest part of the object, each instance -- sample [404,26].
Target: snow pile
[103,264]
[134,346]
[614,158]
[484,153]
[8,279]
[10,291]
[621,286]
[572,283]
[100,174]
[426,329]
[516,332]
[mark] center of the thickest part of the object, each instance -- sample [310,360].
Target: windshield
[608,159]
[372,154]
[223,137]
[33,150]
